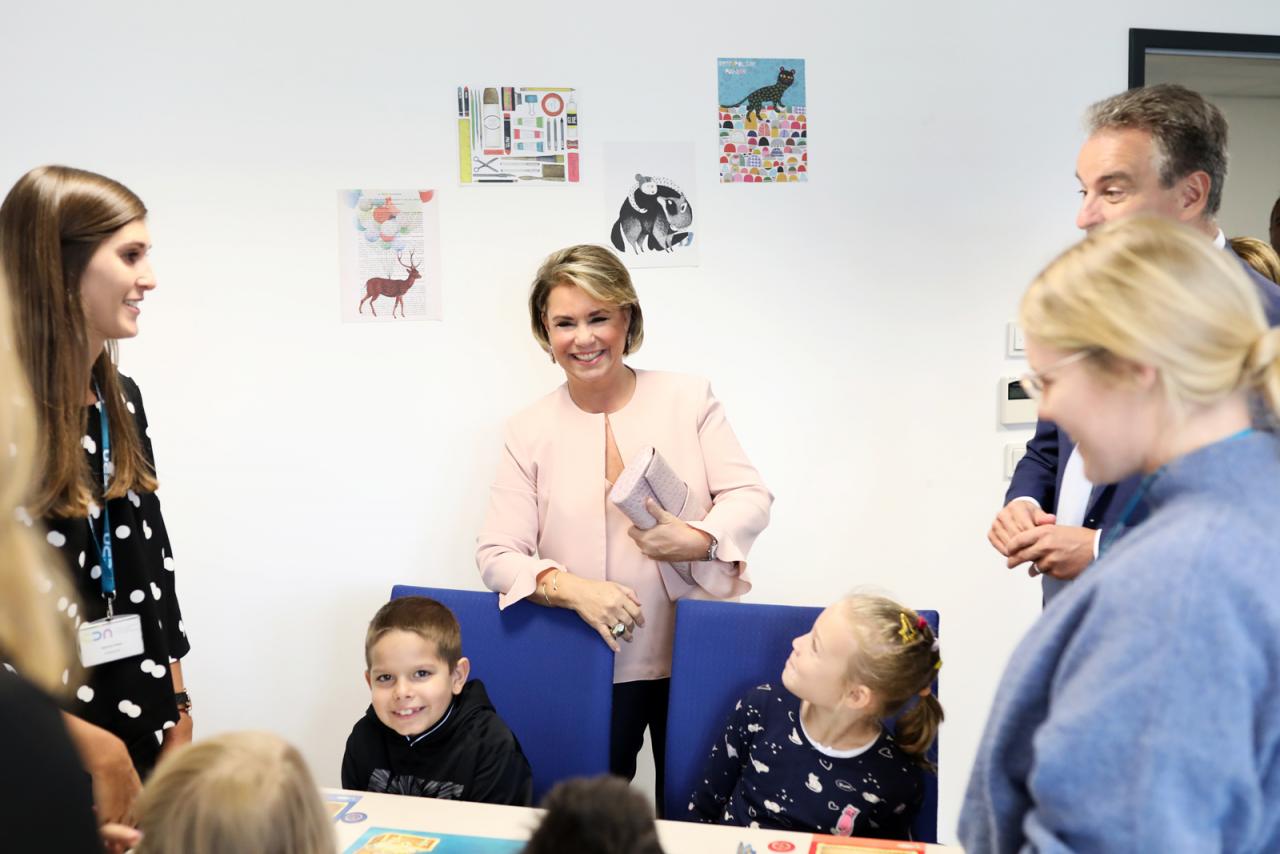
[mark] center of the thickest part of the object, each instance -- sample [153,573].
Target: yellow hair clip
[908,632]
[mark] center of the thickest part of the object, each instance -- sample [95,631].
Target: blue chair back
[549,675]
[722,650]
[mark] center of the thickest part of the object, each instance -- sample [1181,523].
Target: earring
[552,355]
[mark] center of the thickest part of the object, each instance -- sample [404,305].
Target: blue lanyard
[1109,535]
[104,547]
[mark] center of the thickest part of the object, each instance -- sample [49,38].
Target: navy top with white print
[765,771]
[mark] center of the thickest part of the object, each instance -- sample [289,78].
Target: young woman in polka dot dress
[75,246]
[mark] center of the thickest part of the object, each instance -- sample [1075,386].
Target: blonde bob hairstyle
[600,274]
[1150,291]
[237,792]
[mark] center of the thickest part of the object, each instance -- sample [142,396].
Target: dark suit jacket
[1039,473]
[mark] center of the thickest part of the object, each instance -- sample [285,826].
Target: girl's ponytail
[917,729]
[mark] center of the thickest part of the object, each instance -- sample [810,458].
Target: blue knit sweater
[1140,713]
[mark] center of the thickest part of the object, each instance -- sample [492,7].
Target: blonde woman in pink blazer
[551,534]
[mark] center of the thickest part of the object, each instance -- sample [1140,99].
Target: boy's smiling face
[411,685]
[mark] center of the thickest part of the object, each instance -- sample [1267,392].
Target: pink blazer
[548,504]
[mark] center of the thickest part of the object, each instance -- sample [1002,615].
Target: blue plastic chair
[721,651]
[548,675]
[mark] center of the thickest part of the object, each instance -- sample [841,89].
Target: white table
[356,813]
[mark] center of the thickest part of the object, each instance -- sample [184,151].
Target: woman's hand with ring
[620,629]
[603,605]
[672,539]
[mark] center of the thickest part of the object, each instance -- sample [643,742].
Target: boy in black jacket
[429,732]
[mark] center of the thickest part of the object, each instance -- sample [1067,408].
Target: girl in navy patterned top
[812,754]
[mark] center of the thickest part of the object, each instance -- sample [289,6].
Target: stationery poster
[764,134]
[649,205]
[517,135]
[389,255]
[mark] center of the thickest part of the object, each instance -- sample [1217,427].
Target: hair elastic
[907,632]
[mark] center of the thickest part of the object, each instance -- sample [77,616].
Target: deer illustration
[397,288]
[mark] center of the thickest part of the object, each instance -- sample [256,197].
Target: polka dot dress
[132,698]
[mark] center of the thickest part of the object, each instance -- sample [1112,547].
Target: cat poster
[763,121]
[650,214]
[389,255]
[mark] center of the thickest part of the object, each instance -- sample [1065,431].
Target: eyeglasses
[1032,382]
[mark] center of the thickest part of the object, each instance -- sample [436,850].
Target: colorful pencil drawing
[763,121]
[389,255]
[517,135]
[649,203]
[387,840]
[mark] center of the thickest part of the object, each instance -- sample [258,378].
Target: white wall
[853,327]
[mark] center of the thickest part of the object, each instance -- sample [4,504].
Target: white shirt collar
[833,752]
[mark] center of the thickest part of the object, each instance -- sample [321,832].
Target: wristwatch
[711,548]
[183,700]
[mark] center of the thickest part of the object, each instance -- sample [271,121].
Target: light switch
[1015,342]
[1012,453]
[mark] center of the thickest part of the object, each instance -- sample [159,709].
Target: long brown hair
[51,223]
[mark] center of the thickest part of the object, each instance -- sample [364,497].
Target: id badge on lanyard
[114,637]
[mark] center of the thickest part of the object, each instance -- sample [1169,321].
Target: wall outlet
[1012,453]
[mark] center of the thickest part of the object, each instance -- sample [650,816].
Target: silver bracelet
[555,587]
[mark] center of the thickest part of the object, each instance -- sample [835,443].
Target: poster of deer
[650,211]
[389,256]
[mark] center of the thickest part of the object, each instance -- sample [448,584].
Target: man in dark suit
[1156,150]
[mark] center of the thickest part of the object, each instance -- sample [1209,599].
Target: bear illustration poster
[651,215]
[389,255]
[763,121]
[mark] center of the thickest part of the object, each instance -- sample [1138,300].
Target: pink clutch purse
[649,476]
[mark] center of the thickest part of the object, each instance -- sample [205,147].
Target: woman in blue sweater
[1139,713]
